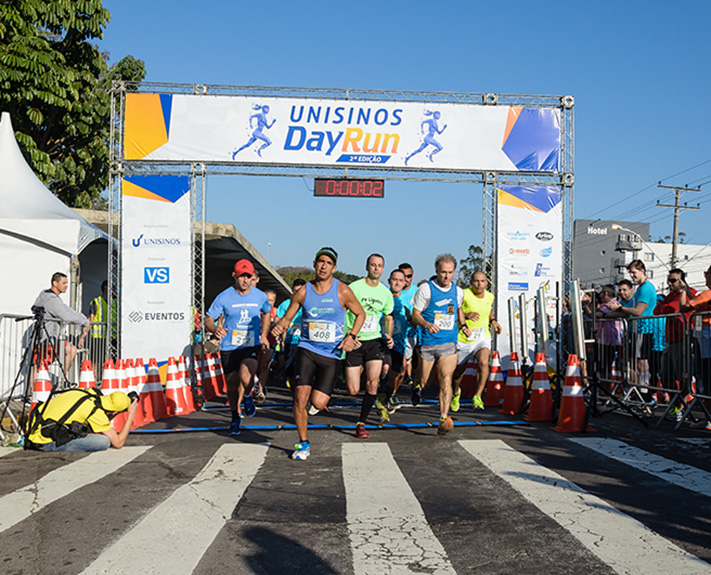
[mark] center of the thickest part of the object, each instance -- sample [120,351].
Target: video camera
[38,311]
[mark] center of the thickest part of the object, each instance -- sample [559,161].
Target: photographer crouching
[80,420]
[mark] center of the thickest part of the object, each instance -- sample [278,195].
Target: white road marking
[623,543]
[22,503]
[174,536]
[685,476]
[388,530]
[8,450]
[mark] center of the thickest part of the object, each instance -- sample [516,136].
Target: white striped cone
[571,418]
[541,406]
[513,392]
[43,386]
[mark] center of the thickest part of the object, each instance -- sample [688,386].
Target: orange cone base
[541,408]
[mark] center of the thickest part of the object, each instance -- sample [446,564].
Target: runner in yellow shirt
[478,308]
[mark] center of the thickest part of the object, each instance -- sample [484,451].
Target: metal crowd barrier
[63,351]
[652,365]
[700,330]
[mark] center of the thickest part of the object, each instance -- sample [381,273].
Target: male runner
[324,301]
[377,301]
[478,309]
[243,331]
[285,358]
[406,295]
[394,360]
[437,309]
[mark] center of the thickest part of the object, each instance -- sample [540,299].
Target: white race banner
[529,254]
[320,132]
[156,270]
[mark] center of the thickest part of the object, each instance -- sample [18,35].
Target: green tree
[290,273]
[55,83]
[473,262]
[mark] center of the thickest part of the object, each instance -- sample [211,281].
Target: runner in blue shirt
[240,318]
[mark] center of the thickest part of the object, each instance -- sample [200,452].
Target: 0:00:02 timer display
[349,188]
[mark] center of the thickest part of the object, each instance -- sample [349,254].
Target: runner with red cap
[240,318]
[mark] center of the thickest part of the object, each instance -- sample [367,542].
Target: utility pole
[677,209]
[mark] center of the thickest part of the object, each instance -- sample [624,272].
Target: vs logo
[156,275]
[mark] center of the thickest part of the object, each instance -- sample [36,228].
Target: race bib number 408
[322,332]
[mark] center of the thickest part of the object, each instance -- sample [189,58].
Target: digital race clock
[343,188]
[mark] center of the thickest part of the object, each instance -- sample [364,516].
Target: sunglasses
[672,280]
[408,275]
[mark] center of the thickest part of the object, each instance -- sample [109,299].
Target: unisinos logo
[142,242]
[544,236]
[156,275]
[545,252]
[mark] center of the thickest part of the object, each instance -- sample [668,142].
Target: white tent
[39,235]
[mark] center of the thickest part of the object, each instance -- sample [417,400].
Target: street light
[268,244]
[619,227]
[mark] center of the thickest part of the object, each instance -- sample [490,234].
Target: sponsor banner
[155,280]
[530,243]
[320,132]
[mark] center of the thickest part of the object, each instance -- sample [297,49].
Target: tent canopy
[30,212]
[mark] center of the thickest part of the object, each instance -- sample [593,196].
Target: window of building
[648,257]
[602,270]
[603,252]
[650,274]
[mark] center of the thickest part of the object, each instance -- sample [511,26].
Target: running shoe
[361,433]
[416,396]
[234,428]
[394,404]
[249,407]
[445,426]
[674,414]
[301,451]
[313,410]
[260,397]
[454,404]
[383,411]
[702,424]
[477,402]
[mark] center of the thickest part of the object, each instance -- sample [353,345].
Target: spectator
[642,305]
[674,372]
[99,316]
[699,304]
[57,312]
[80,420]
[609,334]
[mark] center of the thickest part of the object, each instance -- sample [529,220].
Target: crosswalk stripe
[388,530]
[173,537]
[623,543]
[685,476]
[22,503]
[7,451]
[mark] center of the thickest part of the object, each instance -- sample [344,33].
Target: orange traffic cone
[110,382]
[541,407]
[43,385]
[571,418]
[468,383]
[86,377]
[135,386]
[513,392]
[494,395]
[616,378]
[155,390]
[219,374]
[144,403]
[174,397]
[184,375]
[121,371]
[205,370]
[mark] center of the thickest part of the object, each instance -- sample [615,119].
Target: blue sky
[638,72]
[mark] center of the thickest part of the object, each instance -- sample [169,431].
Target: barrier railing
[700,330]
[62,346]
[647,362]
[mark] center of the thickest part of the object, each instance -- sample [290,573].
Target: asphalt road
[496,496]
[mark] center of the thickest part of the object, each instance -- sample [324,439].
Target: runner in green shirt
[377,301]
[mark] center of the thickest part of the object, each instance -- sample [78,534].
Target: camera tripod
[40,341]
